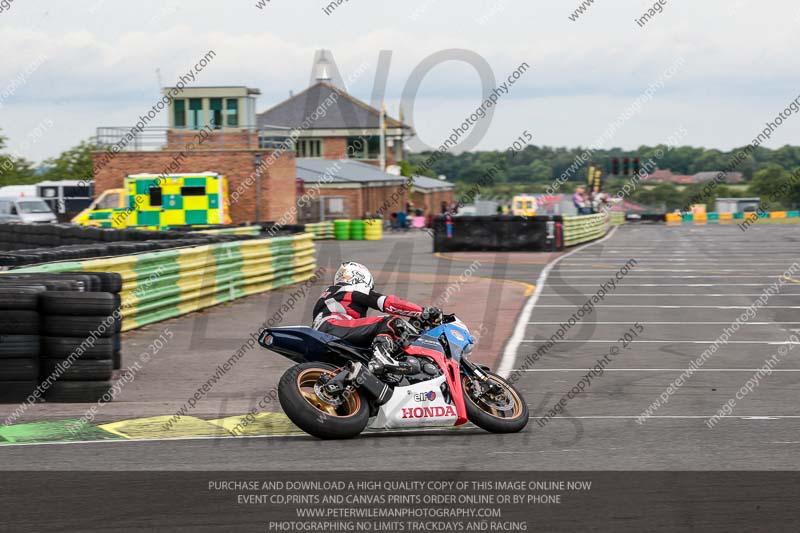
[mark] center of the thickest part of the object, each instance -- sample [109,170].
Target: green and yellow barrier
[169,283]
[773,217]
[321,230]
[584,228]
[373,230]
[238,230]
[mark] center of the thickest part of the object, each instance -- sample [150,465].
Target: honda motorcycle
[332,394]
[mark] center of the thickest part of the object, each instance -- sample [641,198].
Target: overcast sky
[738,64]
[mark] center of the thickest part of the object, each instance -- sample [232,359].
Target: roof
[730,177]
[341,171]
[424,182]
[65,183]
[350,171]
[346,113]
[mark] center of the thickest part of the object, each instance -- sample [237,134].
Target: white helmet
[354,274]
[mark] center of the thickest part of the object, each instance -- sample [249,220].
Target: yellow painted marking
[258,424]
[787,278]
[529,287]
[154,428]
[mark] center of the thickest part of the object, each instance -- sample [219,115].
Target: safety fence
[584,228]
[169,283]
[762,217]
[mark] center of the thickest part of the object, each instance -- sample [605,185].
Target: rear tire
[344,422]
[480,412]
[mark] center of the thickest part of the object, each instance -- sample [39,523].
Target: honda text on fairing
[332,394]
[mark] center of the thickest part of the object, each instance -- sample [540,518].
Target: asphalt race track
[688,283]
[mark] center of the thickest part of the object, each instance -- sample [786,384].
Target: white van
[25,210]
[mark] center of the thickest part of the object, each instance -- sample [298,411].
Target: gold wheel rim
[496,413]
[305,384]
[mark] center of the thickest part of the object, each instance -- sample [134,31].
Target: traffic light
[626,166]
[615,166]
[636,166]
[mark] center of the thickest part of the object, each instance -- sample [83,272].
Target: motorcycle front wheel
[495,406]
[339,417]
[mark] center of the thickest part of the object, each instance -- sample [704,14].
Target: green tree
[72,164]
[775,181]
[14,170]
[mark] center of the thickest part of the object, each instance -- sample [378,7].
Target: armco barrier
[584,228]
[169,283]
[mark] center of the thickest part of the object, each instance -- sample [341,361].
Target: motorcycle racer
[342,311]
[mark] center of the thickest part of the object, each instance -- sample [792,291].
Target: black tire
[19,322]
[109,281]
[63,347]
[26,369]
[16,391]
[478,412]
[79,303]
[19,346]
[23,298]
[76,326]
[79,370]
[77,391]
[313,420]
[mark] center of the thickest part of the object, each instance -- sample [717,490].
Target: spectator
[579,200]
[402,220]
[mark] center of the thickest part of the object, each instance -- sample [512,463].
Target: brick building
[332,124]
[216,129]
[364,189]
[210,129]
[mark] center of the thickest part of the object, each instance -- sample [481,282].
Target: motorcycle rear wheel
[344,419]
[502,413]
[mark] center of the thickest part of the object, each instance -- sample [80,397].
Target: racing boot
[382,361]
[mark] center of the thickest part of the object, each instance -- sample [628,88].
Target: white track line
[671,341]
[681,306]
[657,370]
[665,285]
[636,417]
[663,294]
[510,352]
[678,323]
[629,276]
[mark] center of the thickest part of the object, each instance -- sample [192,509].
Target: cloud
[103,56]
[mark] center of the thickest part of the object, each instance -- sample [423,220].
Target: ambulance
[161,201]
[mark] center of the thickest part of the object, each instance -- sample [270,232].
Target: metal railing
[155,138]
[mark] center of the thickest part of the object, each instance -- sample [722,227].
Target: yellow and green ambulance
[160,201]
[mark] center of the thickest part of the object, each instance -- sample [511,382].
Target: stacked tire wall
[24,245]
[59,335]
[160,285]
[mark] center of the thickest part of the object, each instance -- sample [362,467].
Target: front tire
[313,415]
[505,412]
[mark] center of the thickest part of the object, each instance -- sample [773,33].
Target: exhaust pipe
[363,379]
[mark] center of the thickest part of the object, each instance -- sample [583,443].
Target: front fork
[478,372]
